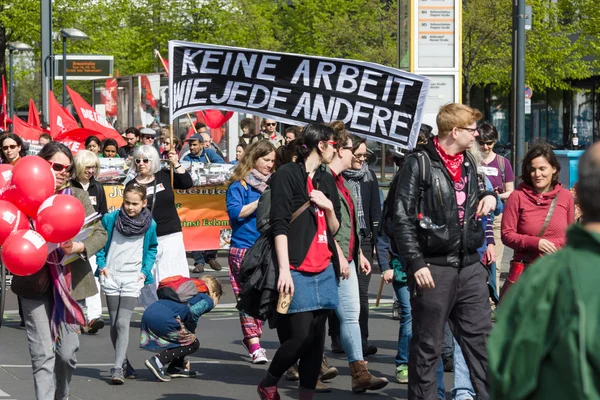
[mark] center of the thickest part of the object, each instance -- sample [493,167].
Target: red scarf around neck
[453,163]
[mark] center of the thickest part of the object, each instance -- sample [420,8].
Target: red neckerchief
[453,163]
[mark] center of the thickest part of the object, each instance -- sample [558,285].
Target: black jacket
[288,193]
[96,193]
[446,243]
[371,202]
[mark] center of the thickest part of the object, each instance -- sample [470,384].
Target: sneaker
[128,370]
[117,377]
[292,373]
[198,268]
[177,372]
[95,325]
[158,372]
[402,373]
[267,393]
[260,356]
[214,264]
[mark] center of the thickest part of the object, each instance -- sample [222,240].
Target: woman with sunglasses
[171,259]
[365,189]
[500,174]
[52,314]
[307,257]
[92,143]
[12,148]
[86,167]
[166,147]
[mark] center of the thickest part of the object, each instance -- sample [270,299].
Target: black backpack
[387,226]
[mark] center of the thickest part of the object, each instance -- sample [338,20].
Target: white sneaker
[260,356]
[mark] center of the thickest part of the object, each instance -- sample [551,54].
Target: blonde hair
[455,115]
[83,159]
[252,153]
[214,286]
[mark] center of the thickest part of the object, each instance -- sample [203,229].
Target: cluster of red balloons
[27,192]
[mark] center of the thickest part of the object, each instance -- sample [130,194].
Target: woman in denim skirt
[307,258]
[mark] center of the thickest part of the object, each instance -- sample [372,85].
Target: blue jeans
[202,257]
[348,311]
[441,388]
[405,332]
[463,389]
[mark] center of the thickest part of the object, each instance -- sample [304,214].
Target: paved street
[225,371]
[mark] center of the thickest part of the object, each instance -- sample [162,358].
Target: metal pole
[64,72]
[47,67]
[11,87]
[518,85]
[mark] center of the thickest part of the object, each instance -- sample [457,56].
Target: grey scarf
[354,177]
[128,226]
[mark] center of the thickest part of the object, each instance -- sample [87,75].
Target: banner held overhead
[374,101]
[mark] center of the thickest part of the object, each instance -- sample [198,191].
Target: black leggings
[176,355]
[303,336]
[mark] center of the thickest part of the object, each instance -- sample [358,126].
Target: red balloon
[60,218]
[24,252]
[11,220]
[32,183]
[5,177]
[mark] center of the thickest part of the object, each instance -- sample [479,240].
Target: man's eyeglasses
[470,130]
[142,160]
[148,137]
[271,124]
[58,167]
[362,156]
[10,146]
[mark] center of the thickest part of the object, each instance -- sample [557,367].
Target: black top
[125,151]
[288,193]
[165,213]
[96,193]
[371,202]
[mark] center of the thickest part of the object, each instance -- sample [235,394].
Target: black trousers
[460,297]
[363,289]
[303,338]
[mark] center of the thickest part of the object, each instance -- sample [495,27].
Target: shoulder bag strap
[302,208]
[549,215]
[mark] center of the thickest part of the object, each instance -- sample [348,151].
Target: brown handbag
[32,285]
[518,266]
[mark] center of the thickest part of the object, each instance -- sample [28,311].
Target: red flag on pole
[33,118]
[164,62]
[60,119]
[90,119]
[4,120]
[145,83]
[26,131]
[109,97]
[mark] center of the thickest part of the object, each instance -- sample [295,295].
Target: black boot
[336,345]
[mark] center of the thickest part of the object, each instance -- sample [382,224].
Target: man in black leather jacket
[437,232]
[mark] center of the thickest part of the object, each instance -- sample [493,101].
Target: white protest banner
[374,101]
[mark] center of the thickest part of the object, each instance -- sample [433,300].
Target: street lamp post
[68,33]
[12,47]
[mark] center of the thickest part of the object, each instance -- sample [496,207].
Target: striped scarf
[66,310]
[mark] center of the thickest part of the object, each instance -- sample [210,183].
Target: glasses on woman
[361,156]
[142,160]
[9,146]
[59,167]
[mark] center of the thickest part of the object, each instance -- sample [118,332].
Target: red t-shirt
[318,256]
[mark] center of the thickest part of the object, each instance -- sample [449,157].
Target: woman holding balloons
[49,294]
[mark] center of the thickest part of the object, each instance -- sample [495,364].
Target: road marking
[2,394]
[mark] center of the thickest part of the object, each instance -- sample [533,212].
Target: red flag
[164,62]
[26,131]
[60,119]
[33,118]
[145,84]
[75,138]
[109,97]
[4,121]
[92,120]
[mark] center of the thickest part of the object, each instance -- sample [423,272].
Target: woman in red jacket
[537,213]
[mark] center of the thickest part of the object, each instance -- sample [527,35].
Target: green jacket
[546,342]
[343,234]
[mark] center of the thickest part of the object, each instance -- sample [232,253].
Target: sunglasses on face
[148,137]
[58,167]
[330,142]
[10,146]
[271,124]
[139,161]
